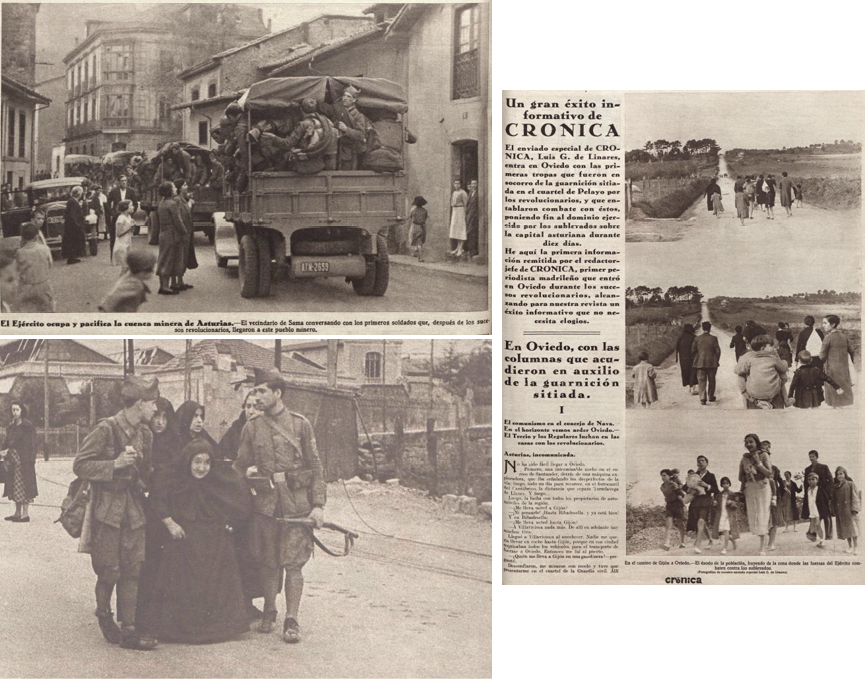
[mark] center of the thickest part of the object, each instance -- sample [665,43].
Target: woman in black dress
[770,195]
[711,189]
[19,453]
[784,342]
[760,192]
[198,596]
[73,246]
[191,423]
[683,355]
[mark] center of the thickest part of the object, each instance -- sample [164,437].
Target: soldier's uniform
[283,448]
[117,531]
[353,140]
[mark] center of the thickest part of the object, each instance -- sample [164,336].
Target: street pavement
[393,608]
[412,288]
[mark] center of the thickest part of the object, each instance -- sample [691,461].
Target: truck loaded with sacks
[314,179]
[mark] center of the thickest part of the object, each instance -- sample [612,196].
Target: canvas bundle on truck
[289,213]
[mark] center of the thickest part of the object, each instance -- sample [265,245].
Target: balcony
[466,75]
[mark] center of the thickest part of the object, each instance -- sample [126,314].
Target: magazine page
[681,374]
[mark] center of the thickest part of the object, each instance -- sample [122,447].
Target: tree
[460,372]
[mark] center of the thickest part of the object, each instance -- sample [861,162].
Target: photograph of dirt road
[667,522]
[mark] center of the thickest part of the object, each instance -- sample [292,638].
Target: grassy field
[767,314]
[700,167]
[671,205]
[831,181]
[656,329]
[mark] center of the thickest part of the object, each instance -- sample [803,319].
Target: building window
[10,142]
[69,74]
[118,62]
[93,112]
[466,59]
[118,146]
[203,133]
[92,149]
[22,132]
[84,112]
[212,90]
[194,95]
[118,106]
[373,365]
[86,76]
[77,113]
[165,112]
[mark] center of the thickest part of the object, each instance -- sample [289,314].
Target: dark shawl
[231,441]
[73,244]
[711,189]
[185,414]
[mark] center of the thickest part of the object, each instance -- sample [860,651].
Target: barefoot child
[644,388]
[726,521]
[673,507]
[815,509]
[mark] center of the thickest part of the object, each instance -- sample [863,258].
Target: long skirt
[17,487]
[758,496]
[170,261]
[784,502]
[742,206]
[458,225]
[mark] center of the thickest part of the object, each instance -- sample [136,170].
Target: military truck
[331,223]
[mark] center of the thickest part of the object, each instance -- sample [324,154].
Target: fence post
[462,446]
[399,442]
[433,489]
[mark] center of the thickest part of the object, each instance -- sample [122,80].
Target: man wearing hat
[116,458]
[354,128]
[278,456]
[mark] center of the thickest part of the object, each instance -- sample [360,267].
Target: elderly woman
[168,230]
[754,473]
[191,423]
[74,244]
[835,354]
[762,376]
[683,355]
[19,454]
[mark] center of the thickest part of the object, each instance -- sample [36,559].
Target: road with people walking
[419,605]
[413,287]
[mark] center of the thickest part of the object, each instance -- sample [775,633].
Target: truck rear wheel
[211,233]
[364,286]
[265,270]
[248,266]
[381,283]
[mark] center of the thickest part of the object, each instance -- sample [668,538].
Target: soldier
[278,456]
[236,144]
[354,128]
[116,458]
[313,142]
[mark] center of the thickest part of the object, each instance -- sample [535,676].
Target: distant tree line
[818,297]
[642,295]
[839,146]
[662,149]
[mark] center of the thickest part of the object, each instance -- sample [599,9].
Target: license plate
[54,220]
[314,267]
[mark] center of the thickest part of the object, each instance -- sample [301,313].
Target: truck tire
[364,286]
[380,285]
[211,233]
[248,266]
[324,247]
[265,270]
[222,262]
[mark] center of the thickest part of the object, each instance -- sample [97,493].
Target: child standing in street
[807,383]
[644,387]
[673,507]
[130,291]
[34,267]
[123,233]
[417,227]
[816,509]
[847,504]
[726,518]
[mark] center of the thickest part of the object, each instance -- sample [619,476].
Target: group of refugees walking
[768,497]
[182,531]
[756,192]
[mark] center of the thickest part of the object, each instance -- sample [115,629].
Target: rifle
[349,536]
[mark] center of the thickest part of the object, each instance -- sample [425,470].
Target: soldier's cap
[139,260]
[141,388]
[354,91]
[233,109]
[270,377]
[308,105]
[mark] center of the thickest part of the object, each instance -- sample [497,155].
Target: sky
[744,119]
[651,446]
[59,24]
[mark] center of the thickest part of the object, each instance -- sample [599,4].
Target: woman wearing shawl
[231,441]
[712,188]
[198,597]
[191,424]
[837,355]
[19,451]
[846,503]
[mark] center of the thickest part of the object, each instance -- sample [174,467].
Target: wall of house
[19,42]
[210,114]
[51,124]
[351,360]
[441,121]
[13,161]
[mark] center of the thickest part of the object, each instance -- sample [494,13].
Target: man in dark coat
[120,192]
[705,359]
[74,244]
[826,483]
[354,128]
[699,517]
[116,458]
[472,217]
[804,337]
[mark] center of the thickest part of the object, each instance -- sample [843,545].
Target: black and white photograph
[172,158]
[734,488]
[744,240]
[221,507]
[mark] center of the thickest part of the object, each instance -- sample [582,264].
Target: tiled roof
[281,66]
[244,353]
